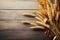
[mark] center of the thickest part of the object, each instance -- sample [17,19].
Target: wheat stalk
[50,15]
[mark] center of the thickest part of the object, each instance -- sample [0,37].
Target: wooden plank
[14,14]
[18,4]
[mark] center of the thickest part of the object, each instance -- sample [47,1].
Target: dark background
[22,35]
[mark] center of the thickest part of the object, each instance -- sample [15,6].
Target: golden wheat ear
[36,26]
[33,25]
[29,15]
[26,22]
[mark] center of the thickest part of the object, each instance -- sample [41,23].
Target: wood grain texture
[18,4]
[12,19]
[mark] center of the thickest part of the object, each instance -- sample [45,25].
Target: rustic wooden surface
[11,26]
[17,8]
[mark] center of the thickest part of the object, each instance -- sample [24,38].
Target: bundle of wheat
[47,17]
